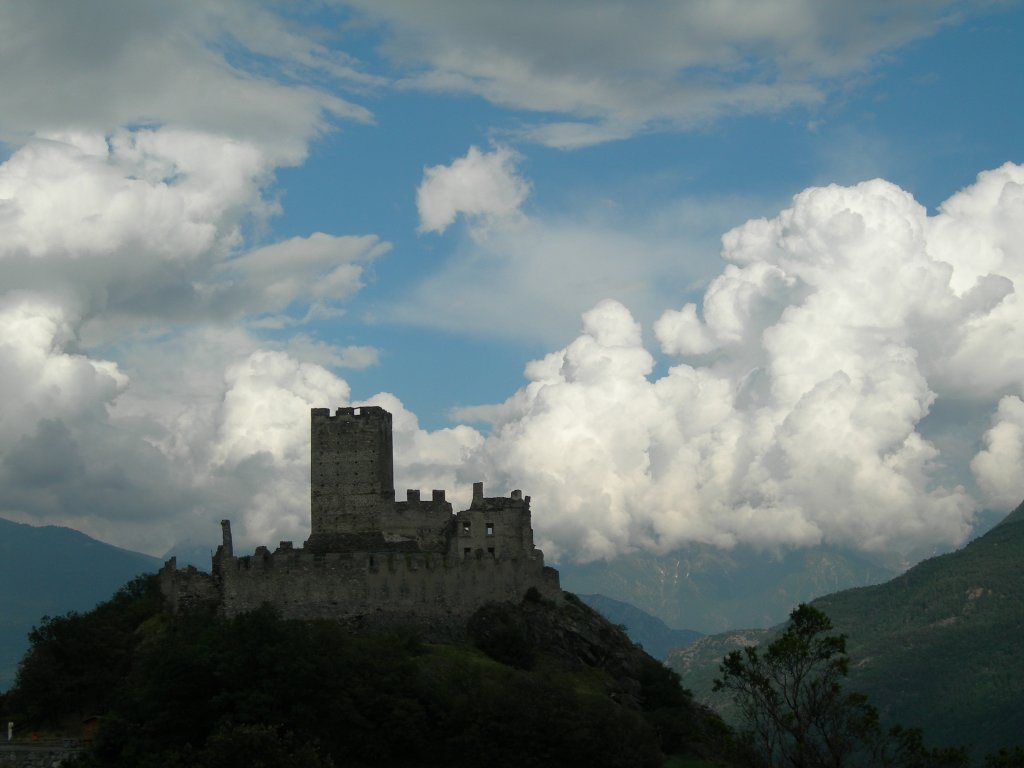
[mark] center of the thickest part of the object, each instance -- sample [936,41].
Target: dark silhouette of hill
[940,647]
[537,683]
[48,571]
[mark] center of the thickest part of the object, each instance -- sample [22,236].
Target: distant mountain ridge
[647,631]
[708,589]
[50,570]
[939,647]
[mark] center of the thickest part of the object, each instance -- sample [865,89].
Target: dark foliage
[76,661]
[205,692]
[1006,758]
[797,713]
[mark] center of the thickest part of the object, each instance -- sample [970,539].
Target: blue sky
[928,117]
[505,223]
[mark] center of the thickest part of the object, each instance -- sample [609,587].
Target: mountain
[711,590]
[940,647]
[649,632]
[50,571]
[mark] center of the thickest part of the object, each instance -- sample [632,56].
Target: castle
[371,560]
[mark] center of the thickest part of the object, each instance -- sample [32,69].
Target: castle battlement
[370,558]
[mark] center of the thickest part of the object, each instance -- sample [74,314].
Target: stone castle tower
[371,559]
[351,474]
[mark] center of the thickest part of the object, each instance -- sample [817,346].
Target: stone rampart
[187,588]
[35,756]
[388,588]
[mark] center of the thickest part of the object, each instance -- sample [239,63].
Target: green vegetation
[797,714]
[939,647]
[51,570]
[205,692]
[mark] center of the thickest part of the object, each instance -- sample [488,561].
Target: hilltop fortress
[371,560]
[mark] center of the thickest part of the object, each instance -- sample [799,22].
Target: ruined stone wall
[30,756]
[187,588]
[425,588]
[428,523]
[500,526]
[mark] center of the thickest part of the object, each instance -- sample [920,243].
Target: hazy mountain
[649,632]
[940,647]
[50,571]
[708,589]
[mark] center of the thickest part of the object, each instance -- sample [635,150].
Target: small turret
[227,546]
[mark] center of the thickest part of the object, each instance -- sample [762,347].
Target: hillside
[50,571]
[940,647]
[539,683]
[943,644]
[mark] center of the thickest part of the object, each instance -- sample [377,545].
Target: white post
[10,730]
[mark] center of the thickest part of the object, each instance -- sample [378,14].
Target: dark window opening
[465,527]
[490,551]
[466,551]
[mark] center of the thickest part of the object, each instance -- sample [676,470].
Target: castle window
[490,529]
[466,552]
[490,551]
[465,526]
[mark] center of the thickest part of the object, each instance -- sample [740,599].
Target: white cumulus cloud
[482,186]
[799,410]
[998,466]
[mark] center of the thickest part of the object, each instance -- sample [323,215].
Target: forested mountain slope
[939,647]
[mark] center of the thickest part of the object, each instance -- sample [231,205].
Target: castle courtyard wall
[425,588]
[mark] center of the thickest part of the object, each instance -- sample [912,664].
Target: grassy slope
[940,647]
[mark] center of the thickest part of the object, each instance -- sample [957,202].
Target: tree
[797,713]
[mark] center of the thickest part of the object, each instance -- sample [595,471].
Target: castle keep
[371,559]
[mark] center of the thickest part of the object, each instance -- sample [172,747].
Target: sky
[718,271]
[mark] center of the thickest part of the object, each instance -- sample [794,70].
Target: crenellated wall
[370,559]
[377,588]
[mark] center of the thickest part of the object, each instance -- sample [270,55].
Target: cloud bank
[794,413]
[141,399]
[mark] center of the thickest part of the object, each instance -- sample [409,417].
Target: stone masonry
[371,560]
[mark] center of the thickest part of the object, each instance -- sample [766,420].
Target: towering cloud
[796,412]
